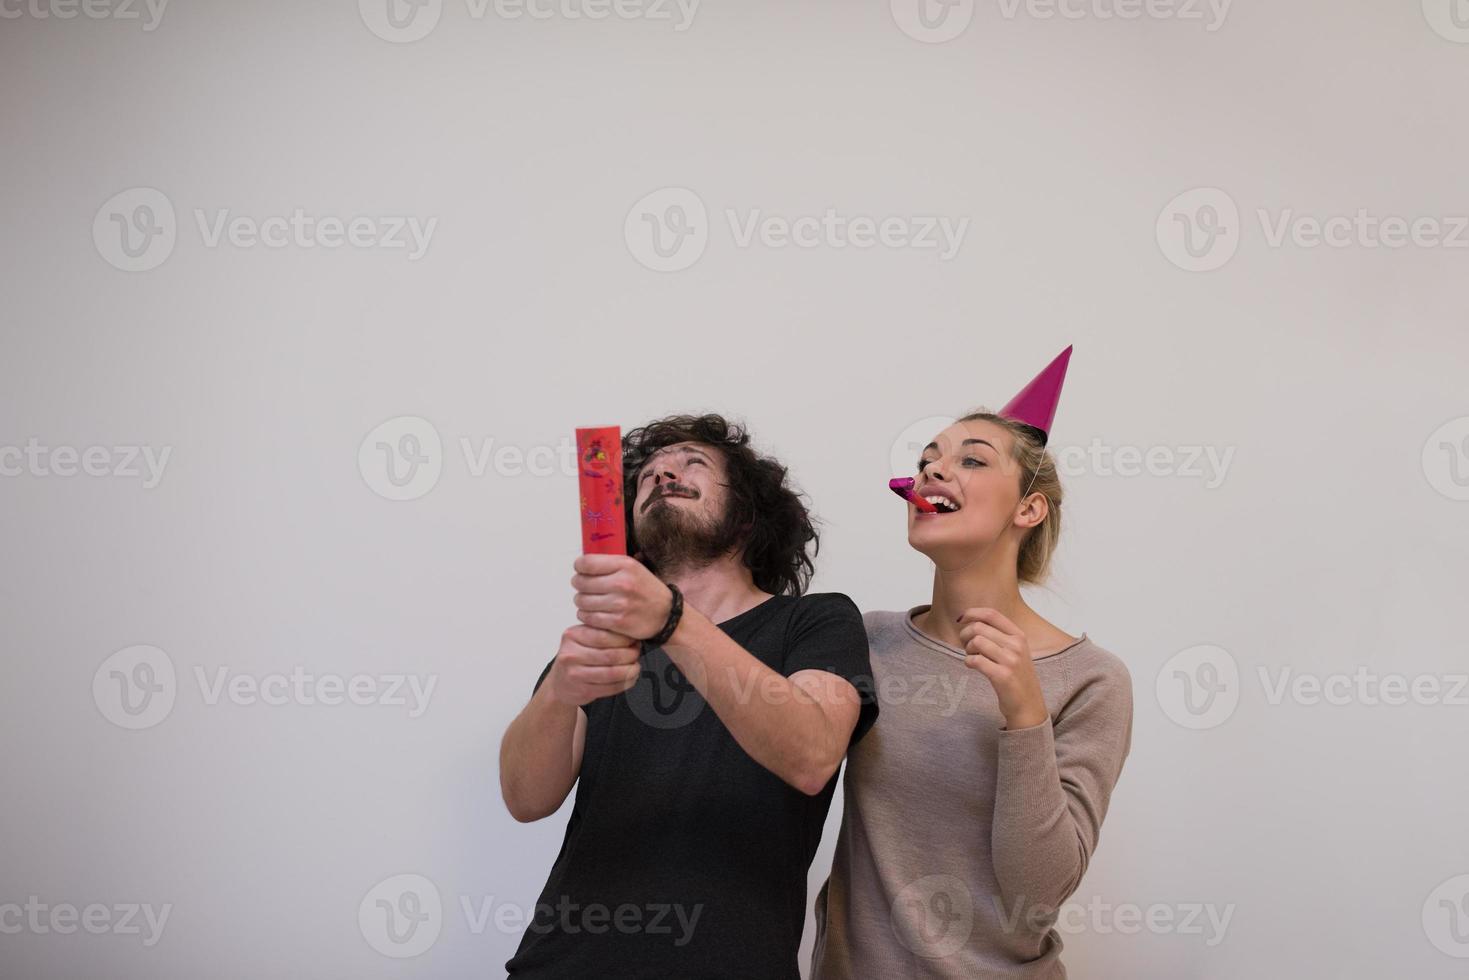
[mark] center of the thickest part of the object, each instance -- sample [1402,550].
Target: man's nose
[666,474]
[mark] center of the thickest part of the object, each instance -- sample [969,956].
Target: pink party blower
[903,487]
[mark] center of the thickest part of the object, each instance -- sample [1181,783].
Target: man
[704,765]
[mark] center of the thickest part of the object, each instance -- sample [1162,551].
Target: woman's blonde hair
[1038,472]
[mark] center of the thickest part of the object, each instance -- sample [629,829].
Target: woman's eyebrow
[966,442]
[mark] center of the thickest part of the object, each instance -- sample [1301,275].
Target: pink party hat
[1035,406]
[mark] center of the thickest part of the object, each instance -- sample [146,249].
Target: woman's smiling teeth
[944,504]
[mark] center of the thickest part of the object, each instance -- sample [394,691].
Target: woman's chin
[930,534]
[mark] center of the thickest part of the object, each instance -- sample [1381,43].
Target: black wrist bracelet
[675,613]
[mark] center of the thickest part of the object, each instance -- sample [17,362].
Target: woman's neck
[955,592]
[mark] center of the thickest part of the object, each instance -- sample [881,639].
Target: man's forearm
[779,724]
[537,764]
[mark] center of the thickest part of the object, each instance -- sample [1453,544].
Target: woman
[974,805]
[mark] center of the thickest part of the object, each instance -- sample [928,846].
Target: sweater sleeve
[1053,784]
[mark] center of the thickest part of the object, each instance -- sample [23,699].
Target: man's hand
[592,663]
[617,593]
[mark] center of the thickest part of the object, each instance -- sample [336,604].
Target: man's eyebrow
[668,449]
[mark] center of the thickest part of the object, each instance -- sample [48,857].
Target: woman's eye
[974,461]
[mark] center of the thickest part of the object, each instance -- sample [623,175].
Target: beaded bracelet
[675,613]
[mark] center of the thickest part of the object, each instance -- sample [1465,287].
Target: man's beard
[670,539]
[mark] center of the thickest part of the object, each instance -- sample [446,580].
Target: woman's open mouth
[942,504]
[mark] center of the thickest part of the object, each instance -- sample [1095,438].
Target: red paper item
[599,471]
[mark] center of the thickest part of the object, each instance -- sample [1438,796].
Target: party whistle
[903,487]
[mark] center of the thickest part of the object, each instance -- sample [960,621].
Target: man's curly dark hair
[760,498]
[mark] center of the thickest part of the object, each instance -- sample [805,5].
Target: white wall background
[1332,377]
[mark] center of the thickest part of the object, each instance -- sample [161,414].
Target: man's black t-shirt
[684,858]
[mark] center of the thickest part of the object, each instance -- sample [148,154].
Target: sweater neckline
[957,652]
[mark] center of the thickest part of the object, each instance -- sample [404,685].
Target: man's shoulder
[818,609]
[838,602]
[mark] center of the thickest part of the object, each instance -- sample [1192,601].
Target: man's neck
[720,590]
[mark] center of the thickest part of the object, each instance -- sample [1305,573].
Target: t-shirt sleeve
[544,671]
[826,633]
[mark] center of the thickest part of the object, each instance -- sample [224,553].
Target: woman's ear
[1033,510]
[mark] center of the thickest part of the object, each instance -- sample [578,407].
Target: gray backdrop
[302,303]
